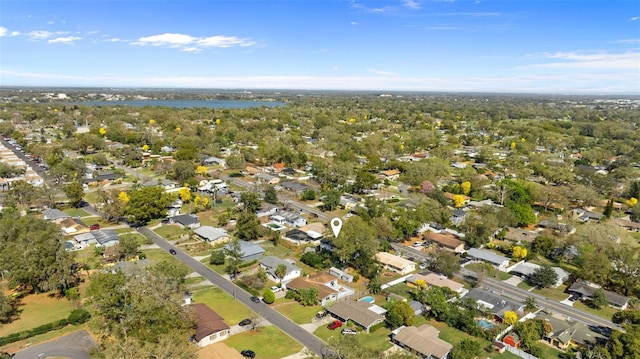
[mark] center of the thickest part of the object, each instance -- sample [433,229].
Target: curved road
[75,346]
[307,339]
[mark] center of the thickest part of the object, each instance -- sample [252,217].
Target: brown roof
[424,339]
[207,321]
[445,240]
[311,282]
[390,173]
[218,350]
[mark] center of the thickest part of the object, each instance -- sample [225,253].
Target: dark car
[172,251]
[334,325]
[255,299]
[94,227]
[244,322]
[248,354]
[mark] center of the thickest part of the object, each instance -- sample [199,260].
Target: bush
[291,294]
[78,316]
[269,297]
[217,258]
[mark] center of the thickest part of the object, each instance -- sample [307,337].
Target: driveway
[73,346]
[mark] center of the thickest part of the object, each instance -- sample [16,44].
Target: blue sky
[542,46]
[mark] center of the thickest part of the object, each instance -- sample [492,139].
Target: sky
[520,46]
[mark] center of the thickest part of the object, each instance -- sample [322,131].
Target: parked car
[348,331]
[172,251]
[321,314]
[276,289]
[334,325]
[94,227]
[244,322]
[255,299]
[248,354]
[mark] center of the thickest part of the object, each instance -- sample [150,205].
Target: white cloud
[411,4]
[557,84]
[113,39]
[381,72]
[64,40]
[635,18]
[190,43]
[3,31]
[40,35]
[14,33]
[629,60]
[354,23]
[628,41]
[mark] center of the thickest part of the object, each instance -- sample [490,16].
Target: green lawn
[604,312]
[378,340]
[231,310]
[158,255]
[267,342]
[296,312]
[170,231]
[38,309]
[553,293]
[76,212]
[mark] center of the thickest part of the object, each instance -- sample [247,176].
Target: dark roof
[185,219]
[586,290]
[500,304]
[248,249]
[298,235]
[53,214]
[104,236]
[207,321]
[358,312]
[294,186]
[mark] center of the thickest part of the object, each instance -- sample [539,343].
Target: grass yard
[378,340]
[216,268]
[296,312]
[267,342]
[222,303]
[553,293]
[38,309]
[158,255]
[170,231]
[19,345]
[76,212]
[604,312]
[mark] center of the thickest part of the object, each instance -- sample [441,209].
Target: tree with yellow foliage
[102,131]
[458,200]
[510,317]
[205,202]
[466,187]
[513,145]
[420,283]
[152,121]
[123,197]
[201,170]
[145,147]
[178,129]
[196,200]
[519,253]
[185,194]
[632,201]
[217,121]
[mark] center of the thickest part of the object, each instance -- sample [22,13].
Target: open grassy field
[231,310]
[378,340]
[267,342]
[296,312]
[170,231]
[38,309]
[76,212]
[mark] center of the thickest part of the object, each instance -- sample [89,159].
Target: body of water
[185,103]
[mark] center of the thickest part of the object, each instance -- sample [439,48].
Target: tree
[74,192]
[308,194]
[330,199]
[530,304]
[426,187]
[185,194]
[364,182]
[250,201]
[466,349]
[247,226]
[608,209]
[308,296]
[445,263]
[129,245]
[33,257]
[217,257]
[510,317]
[458,201]
[281,271]
[8,308]
[400,313]
[543,245]
[269,297]
[147,203]
[270,195]
[599,299]
[543,277]
[234,251]
[519,253]
[465,187]
[140,315]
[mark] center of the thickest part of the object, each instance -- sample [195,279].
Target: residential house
[361,313]
[586,290]
[519,235]
[249,251]
[487,256]
[341,275]
[422,341]
[300,236]
[210,326]
[567,332]
[190,221]
[52,214]
[289,219]
[395,263]
[390,175]
[295,187]
[277,167]
[212,235]
[447,241]
[628,225]
[72,226]
[586,216]
[525,269]
[270,263]
[99,177]
[214,161]
[458,216]
[100,237]
[266,209]
[267,178]
[328,285]
[437,281]
[497,304]
[556,227]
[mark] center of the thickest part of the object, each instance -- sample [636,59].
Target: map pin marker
[336,226]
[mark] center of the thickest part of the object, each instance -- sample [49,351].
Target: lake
[185,103]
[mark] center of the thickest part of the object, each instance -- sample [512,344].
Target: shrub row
[78,316]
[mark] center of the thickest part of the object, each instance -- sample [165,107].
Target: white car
[348,331]
[275,289]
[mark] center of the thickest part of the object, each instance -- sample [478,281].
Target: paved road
[289,202]
[307,339]
[74,346]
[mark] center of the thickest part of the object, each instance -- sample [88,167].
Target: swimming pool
[368,299]
[485,324]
